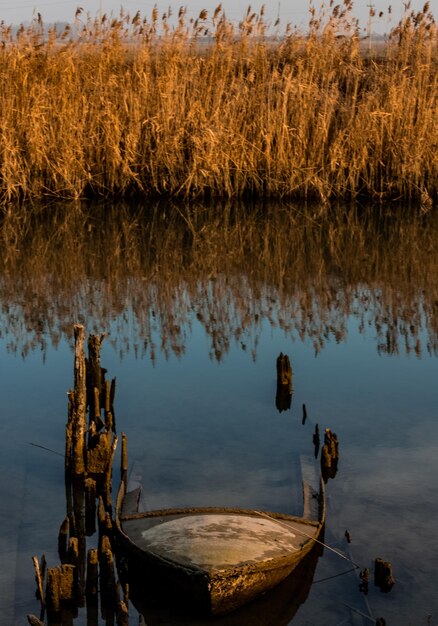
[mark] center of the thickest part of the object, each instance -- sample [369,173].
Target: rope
[37,445]
[301,532]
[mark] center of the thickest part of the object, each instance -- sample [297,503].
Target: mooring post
[80,402]
[90,506]
[94,374]
[383,577]
[63,540]
[124,459]
[284,370]
[92,585]
[52,589]
[283,397]
[329,454]
[122,614]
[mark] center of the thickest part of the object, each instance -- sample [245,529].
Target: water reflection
[148,275]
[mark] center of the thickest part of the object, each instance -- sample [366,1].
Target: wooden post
[101,516]
[73,551]
[90,506]
[284,371]
[107,574]
[94,373]
[329,455]
[316,440]
[69,435]
[283,398]
[124,459]
[52,589]
[63,539]
[383,577]
[92,574]
[80,402]
[34,621]
[107,392]
[112,392]
[108,475]
[122,614]
[67,583]
[39,578]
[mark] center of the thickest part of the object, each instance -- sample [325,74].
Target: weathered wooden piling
[363,587]
[122,614]
[284,371]
[67,584]
[63,539]
[101,515]
[304,415]
[107,397]
[80,403]
[39,579]
[316,441]
[94,374]
[52,589]
[88,470]
[92,584]
[124,457]
[34,621]
[107,487]
[99,456]
[383,576]
[73,551]
[69,435]
[112,393]
[90,506]
[283,396]
[107,575]
[329,455]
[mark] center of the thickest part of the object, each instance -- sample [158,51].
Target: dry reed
[117,107]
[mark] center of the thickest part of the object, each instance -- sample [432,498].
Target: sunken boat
[215,560]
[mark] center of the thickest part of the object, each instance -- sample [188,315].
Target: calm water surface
[196,312]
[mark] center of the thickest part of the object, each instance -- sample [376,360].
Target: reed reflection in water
[146,274]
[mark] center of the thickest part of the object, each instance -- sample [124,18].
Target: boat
[217,559]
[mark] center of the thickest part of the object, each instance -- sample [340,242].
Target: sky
[295,12]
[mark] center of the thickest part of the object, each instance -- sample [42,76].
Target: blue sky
[293,11]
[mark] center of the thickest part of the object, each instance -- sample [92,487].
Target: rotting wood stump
[383,577]
[90,446]
[283,397]
[329,455]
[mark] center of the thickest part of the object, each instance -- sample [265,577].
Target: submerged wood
[217,559]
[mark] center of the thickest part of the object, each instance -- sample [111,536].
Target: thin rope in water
[298,530]
[37,445]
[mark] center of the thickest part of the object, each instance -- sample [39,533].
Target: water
[195,319]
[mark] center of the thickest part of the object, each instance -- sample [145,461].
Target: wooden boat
[218,559]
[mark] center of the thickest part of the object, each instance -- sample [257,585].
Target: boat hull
[213,560]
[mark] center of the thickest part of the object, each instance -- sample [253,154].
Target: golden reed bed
[175,107]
